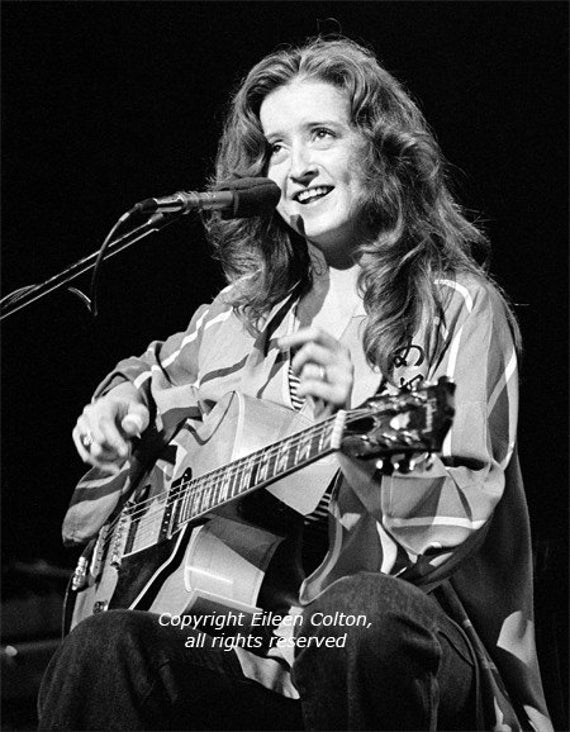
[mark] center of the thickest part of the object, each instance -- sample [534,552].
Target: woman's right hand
[104,431]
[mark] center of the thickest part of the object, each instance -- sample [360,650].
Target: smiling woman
[406,226]
[314,160]
[362,287]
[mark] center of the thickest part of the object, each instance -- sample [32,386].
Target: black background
[107,103]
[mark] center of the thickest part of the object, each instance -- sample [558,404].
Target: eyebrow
[309,124]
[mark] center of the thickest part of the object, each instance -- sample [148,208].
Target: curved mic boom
[241,198]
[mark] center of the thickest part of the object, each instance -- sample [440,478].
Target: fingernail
[133,422]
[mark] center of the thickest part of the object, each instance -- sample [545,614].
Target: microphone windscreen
[252,197]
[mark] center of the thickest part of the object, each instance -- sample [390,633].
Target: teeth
[311,193]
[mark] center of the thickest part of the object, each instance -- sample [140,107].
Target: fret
[204,493]
[214,489]
[233,480]
[224,484]
[292,462]
[246,474]
[289,445]
[211,494]
[238,477]
[195,500]
[262,467]
[304,448]
[192,501]
[323,442]
[271,464]
[281,460]
[254,476]
[316,440]
[205,488]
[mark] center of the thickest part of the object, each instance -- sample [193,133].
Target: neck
[331,257]
[336,277]
[334,294]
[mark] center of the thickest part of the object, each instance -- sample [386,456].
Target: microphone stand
[24,296]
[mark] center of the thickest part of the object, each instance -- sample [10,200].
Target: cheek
[275,173]
[281,209]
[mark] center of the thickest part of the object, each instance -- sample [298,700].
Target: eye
[275,150]
[323,135]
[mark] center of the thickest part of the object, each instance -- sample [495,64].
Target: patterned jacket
[469,506]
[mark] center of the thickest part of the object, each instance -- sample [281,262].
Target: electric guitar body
[224,533]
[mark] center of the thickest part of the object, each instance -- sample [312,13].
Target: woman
[363,282]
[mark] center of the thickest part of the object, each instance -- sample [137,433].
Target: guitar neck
[194,497]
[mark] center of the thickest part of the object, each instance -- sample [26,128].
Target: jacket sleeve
[166,374]
[430,512]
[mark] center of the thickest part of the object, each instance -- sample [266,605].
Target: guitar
[225,533]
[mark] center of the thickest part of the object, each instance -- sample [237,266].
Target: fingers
[85,453]
[311,353]
[99,421]
[323,364]
[135,422]
[103,432]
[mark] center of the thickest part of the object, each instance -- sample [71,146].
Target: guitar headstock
[404,423]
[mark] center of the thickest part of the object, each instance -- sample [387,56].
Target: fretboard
[194,497]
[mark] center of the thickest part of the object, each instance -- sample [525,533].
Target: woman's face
[313,159]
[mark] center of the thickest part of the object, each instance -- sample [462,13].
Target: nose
[302,168]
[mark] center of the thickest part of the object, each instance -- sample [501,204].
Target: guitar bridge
[79,579]
[119,542]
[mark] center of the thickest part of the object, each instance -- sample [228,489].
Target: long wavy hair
[417,233]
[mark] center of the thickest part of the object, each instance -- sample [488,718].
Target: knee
[93,648]
[380,618]
[109,633]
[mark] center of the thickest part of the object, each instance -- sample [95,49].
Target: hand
[104,431]
[323,365]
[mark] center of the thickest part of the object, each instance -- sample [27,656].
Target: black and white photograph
[284,321]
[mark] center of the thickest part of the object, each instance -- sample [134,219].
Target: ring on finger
[87,439]
[323,373]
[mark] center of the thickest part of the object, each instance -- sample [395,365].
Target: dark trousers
[394,661]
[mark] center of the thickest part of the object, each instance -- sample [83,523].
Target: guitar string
[309,432]
[213,480]
[237,465]
[221,476]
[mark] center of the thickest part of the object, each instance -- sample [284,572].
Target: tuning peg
[385,467]
[404,465]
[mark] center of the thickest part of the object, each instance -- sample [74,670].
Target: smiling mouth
[312,194]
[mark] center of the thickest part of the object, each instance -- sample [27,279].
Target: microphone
[238,199]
